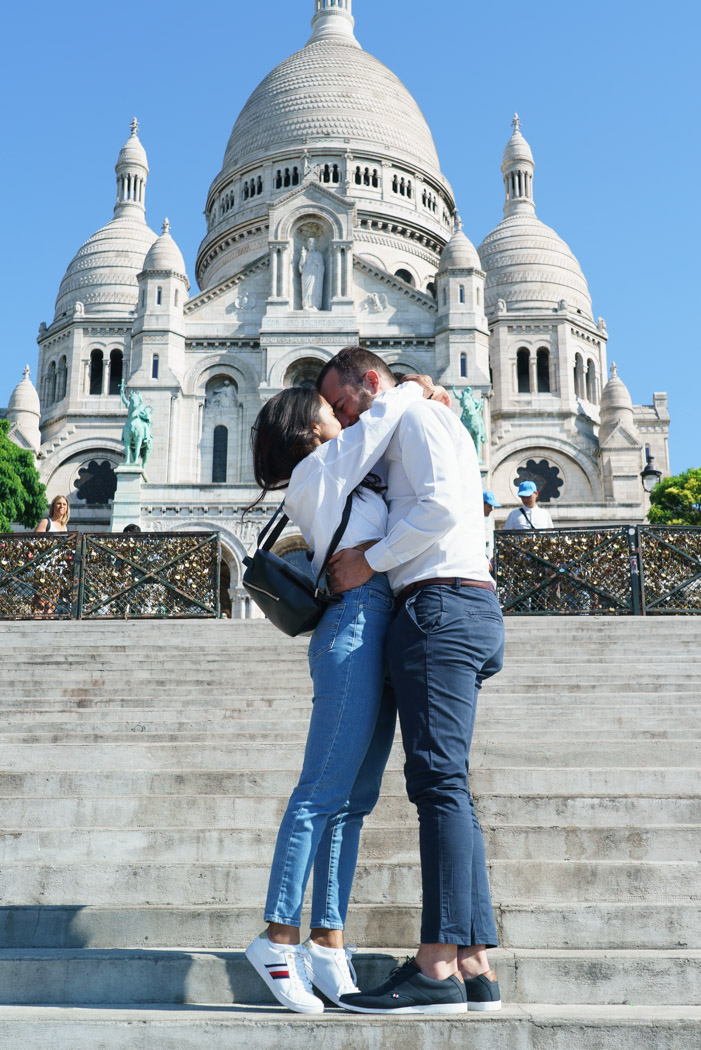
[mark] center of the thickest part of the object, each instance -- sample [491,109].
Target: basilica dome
[528,265]
[332,91]
[102,275]
[531,268]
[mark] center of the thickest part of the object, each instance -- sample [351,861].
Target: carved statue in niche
[311,268]
[471,417]
[223,396]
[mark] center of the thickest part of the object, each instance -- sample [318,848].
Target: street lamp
[650,476]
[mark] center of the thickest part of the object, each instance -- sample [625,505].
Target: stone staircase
[145,767]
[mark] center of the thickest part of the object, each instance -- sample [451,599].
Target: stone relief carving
[374,302]
[224,396]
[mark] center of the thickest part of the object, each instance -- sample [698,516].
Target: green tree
[22,494]
[677,500]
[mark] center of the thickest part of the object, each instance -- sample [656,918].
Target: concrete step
[52,882]
[630,812]
[75,976]
[287,755]
[629,924]
[535,1027]
[676,782]
[667,842]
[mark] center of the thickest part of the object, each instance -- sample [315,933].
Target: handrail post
[634,554]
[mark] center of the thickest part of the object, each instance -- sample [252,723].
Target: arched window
[154,367]
[375,178]
[259,184]
[358,176]
[463,366]
[523,370]
[408,188]
[96,368]
[578,376]
[445,296]
[278,180]
[326,173]
[116,370]
[219,454]
[591,381]
[431,288]
[478,295]
[159,296]
[295,176]
[395,184]
[543,370]
[462,293]
[404,275]
[61,378]
[51,384]
[335,176]
[176,297]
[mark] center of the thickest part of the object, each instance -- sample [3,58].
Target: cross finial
[458,223]
[516,123]
[166,226]
[614,370]
[134,126]
[26,374]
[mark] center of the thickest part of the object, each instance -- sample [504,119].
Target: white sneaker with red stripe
[283,967]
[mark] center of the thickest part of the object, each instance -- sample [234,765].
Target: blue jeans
[445,641]
[350,738]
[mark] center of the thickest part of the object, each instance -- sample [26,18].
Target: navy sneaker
[483,992]
[408,991]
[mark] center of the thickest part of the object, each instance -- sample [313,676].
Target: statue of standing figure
[311,267]
[137,434]
[471,417]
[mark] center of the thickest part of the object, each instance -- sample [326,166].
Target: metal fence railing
[109,576]
[618,570]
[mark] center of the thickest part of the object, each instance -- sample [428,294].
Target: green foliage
[22,494]
[677,500]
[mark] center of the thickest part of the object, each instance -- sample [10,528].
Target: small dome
[615,406]
[24,398]
[517,149]
[164,254]
[132,152]
[615,397]
[531,268]
[102,275]
[459,253]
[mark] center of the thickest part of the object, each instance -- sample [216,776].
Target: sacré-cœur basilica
[329,224]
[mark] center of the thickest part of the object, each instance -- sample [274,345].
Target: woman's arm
[42,526]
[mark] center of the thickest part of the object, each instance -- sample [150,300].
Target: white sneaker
[331,970]
[284,970]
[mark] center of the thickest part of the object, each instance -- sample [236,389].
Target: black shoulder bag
[287,596]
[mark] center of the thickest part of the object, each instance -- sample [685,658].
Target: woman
[298,444]
[59,514]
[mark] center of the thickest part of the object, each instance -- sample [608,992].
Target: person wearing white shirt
[446,639]
[528,516]
[298,446]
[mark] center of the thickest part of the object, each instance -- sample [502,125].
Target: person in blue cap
[528,516]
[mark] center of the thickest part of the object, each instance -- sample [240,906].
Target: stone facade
[355,173]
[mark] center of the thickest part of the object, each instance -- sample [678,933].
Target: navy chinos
[443,643]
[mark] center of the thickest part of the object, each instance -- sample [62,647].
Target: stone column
[126,506]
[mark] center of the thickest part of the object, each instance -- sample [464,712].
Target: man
[489,502]
[529,516]
[447,637]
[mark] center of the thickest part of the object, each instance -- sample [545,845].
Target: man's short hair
[352,363]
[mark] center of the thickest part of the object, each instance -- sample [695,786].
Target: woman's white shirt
[52,526]
[319,487]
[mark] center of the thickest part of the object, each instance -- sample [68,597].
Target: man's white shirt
[529,518]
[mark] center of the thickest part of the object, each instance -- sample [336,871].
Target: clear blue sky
[607,92]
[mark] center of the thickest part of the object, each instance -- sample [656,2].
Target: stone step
[287,755]
[629,924]
[630,812]
[666,842]
[76,976]
[535,1027]
[677,782]
[231,882]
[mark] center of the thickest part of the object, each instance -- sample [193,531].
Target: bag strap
[336,539]
[528,519]
[275,533]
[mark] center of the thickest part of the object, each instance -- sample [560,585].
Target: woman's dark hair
[283,435]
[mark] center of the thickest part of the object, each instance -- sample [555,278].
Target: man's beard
[365,400]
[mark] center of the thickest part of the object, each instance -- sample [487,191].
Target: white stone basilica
[330,223]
